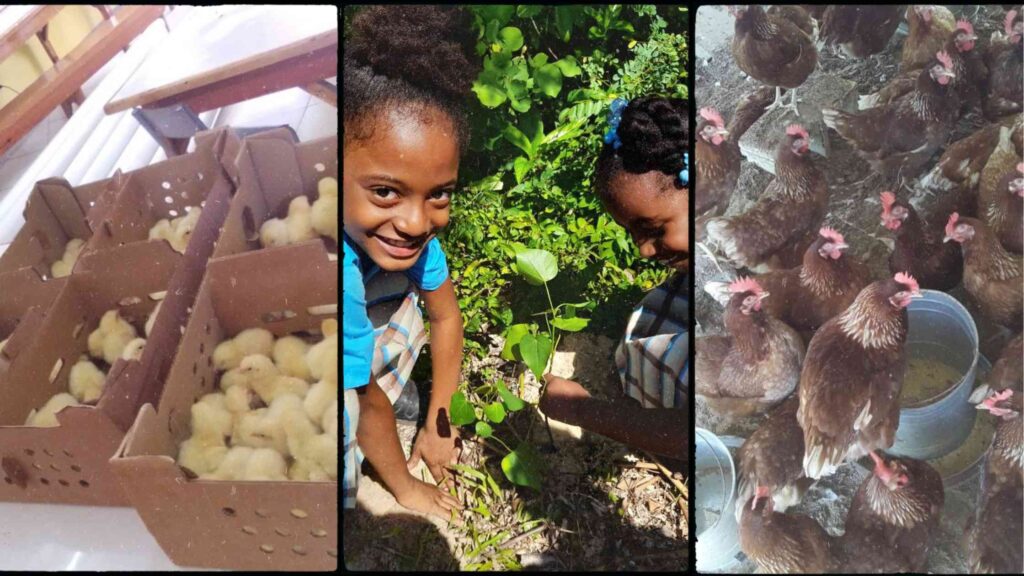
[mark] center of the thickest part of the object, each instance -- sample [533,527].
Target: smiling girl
[407,72]
[642,178]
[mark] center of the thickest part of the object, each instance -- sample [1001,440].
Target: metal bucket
[718,541]
[941,330]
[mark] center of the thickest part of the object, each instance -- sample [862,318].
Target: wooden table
[222,55]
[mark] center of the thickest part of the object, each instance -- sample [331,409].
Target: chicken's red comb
[965,25]
[1020,167]
[998,397]
[907,280]
[1008,22]
[831,234]
[888,199]
[796,130]
[741,285]
[943,57]
[712,115]
[951,223]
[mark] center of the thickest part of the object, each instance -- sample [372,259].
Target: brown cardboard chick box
[23,294]
[272,170]
[55,213]
[234,524]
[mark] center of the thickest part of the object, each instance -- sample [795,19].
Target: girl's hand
[562,399]
[437,451]
[422,497]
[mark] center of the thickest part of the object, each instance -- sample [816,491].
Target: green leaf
[511,38]
[494,486]
[495,412]
[570,324]
[513,335]
[491,31]
[521,166]
[569,67]
[501,13]
[533,128]
[549,79]
[528,10]
[489,95]
[462,411]
[535,351]
[537,266]
[512,402]
[522,467]
[565,19]
[539,60]
[520,105]
[471,472]
[518,139]
[483,429]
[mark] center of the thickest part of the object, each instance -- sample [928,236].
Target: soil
[603,506]
[853,210]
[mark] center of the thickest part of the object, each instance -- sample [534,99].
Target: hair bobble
[614,117]
[684,174]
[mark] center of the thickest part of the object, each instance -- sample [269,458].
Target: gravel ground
[853,210]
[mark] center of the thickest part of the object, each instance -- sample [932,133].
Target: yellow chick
[272,425]
[133,351]
[330,420]
[181,229]
[249,430]
[161,230]
[322,359]
[319,399]
[232,467]
[324,214]
[212,422]
[152,318]
[290,357]
[295,227]
[229,353]
[109,339]
[307,471]
[63,267]
[265,464]
[305,444]
[199,457]
[239,399]
[259,373]
[3,343]
[85,381]
[46,417]
[274,233]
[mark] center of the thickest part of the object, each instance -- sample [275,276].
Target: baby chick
[63,267]
[239,399]
[324,215]
[249,431]
[232,467]
[290,356]
[319,399]
[229,353]
[212,423]
[307,471]
[161,230]
[133,351]
[152,317]
[108,340]
[272,425]
[85,381]
[295,227]
[3,343]
[265,464]
[46,417]
[305,444]
[322,358]
[181,229]
[259,373]
[330,420]
[200,457]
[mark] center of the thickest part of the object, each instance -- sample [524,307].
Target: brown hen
[773,50]
[782,543]
[998,198]
[1005,90]
[859,30]
[919,248]
[930,27]
[992,276]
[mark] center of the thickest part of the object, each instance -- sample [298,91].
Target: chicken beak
[916,294]
[722,132]
[841,246]
[763,295]
[947,74]
[946,239]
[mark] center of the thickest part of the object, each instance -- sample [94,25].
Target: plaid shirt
[399,334]
[653,357]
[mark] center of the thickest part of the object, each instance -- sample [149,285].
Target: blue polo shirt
[428,273]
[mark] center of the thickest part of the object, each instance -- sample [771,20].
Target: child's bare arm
[662,431]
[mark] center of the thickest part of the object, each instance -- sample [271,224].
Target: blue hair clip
[614,117]
[684,174]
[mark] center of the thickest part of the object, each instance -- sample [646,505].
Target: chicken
[266,465]
[229,353]
[329,423]
[893,518]
[319,399]
[969,72]
[757,365]
[825,284]
[859,30]
[295,227]
[1008,210]
[1005,93]
[63,267]
[248,430]
[307,471]
[782,543]
[718,163]
[305,445]
[46,417]
[85,381]
[151,321]
[261,375]
[798,16]
[773,50]
[182,228]
[992,276]
[264,427]
[919,248]
[996,200]
[162,230]
[232,466]
[199,457]
[785,216]
[324,213]
[212,422]
[901,137]
[994,543]
[290,357]
[110,338]
[1007,372]
[239,399]
[929,28]
[322,357]
[1005,459]
[133,351]
[852,376]
[772,459]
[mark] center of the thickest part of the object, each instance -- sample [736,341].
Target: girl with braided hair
[407,73]
[643,180]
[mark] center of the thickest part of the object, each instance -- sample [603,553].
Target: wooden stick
[671,478]
[512,541]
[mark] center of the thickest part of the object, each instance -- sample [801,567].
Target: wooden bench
[64,81]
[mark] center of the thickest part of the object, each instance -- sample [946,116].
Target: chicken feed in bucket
[717,533]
